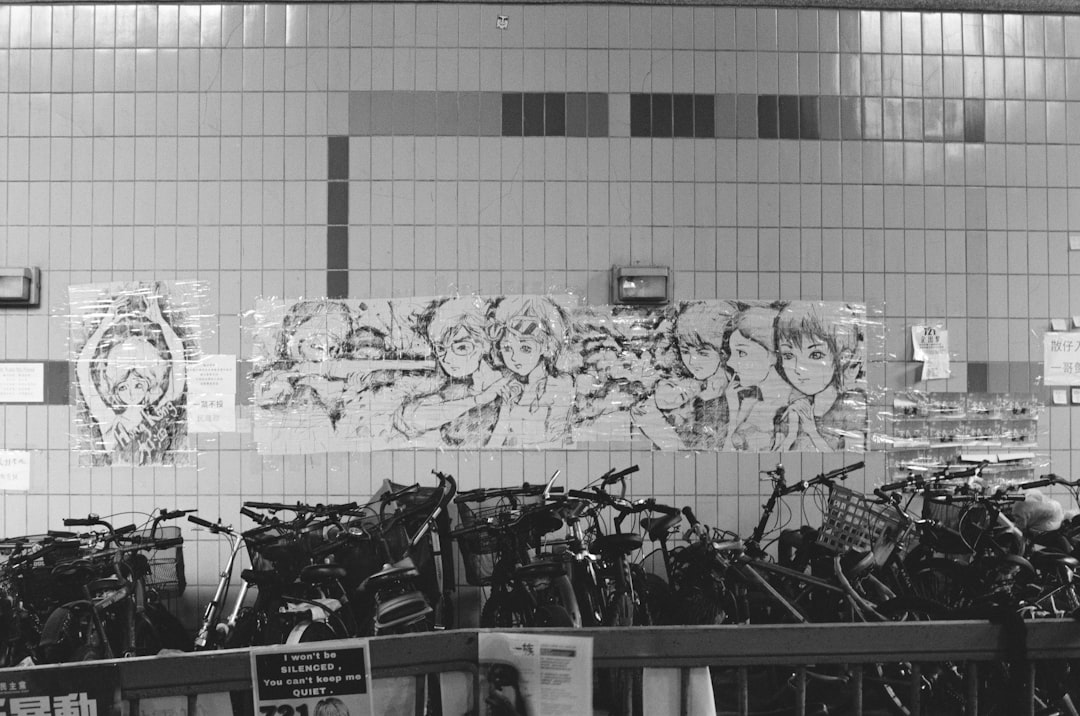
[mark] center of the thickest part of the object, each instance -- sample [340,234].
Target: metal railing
[681,648]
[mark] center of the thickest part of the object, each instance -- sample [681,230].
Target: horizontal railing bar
[680,646]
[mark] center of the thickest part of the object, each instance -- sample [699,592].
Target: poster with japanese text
[90,690]
[546,372]
[535,674]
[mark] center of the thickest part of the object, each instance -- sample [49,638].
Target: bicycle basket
[166,574]
[480,550]
[852,522]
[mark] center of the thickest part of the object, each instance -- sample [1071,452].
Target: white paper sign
[1061,356]
[332,677]
[537,674]
[213,374]
[15,470]
[931,346]
[212,413]
[22,382]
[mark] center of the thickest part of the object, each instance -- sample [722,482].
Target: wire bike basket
[853,522]
[166,566]
[481,550]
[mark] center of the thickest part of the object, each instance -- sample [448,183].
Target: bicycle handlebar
[611,477]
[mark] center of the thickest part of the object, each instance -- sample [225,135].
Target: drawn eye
[787,356]
[526,349]
[462,348]
[741,353]
[817,355]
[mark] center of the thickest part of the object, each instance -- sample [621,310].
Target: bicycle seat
[105,584]
[1043,559]
[261,577]
[620,544]
[322,573]
[388,574]
[539,570]
[658,527]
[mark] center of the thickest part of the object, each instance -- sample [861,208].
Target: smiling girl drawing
[131,375]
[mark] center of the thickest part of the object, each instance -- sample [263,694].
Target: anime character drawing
[463,409]
[310,385]
[531,333]
[819,348]
[331,706]
[758,394]
[619,368]
[689,409]
[131,375]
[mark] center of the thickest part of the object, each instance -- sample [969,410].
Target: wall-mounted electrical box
[640,285]
[20,287]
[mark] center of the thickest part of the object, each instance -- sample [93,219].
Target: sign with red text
[323,677]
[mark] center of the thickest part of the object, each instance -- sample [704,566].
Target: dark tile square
[404,111]
[337,203]
[682,115]
[468,110]
[490,113]
[828,117]
[533,113]
[746,123]
[577,114]
[554,114]
[58,379]
[974,121]
[997,377]
[425,114]
[661,115]
[704,116]
[768,116]
[850,118]
[337,158]
[382,113]
[977,378]
[446,110]
[337,248]
[1020,378]
[809,117]
[511,114]
[788,110]
[640,115]
[359,114]
[598,114]
[337,284]
[726,116]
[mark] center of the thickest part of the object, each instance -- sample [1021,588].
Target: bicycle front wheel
[504,610]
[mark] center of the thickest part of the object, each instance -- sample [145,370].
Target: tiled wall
[927,164]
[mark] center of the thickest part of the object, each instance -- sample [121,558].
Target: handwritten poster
[930,345]
[212,395]
[14,470]
[1061,358]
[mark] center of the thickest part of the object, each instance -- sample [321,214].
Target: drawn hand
[126,424]
[153,310]
[499,704]
[511,391]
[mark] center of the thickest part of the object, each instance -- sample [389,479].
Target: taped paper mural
[545,372]
[131,344]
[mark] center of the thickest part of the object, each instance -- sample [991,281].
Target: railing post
[857,689]
[800,691]
[744,690]
[916,689]
[684,691]
[971,678]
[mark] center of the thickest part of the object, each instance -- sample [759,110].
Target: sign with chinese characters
[86,691]
[212,401]
[332,678]
[931,347]
[22,382]
[1061,358]
[14,470]
[536,674]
